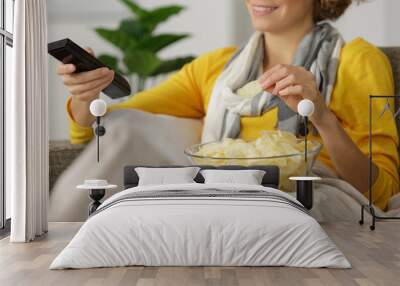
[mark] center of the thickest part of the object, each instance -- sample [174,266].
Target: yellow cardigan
[363,70]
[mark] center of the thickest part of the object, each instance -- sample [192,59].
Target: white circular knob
[98,107]
[305,107]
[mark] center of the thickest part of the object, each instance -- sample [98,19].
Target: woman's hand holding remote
[84,87]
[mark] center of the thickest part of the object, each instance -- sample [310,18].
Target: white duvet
[200,231]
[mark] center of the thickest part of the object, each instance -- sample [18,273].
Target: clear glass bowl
[289,164]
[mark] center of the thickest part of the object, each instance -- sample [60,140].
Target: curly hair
[331,9]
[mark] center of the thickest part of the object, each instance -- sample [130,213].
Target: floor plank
[375,257]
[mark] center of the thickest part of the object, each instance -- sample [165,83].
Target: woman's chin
[265,26]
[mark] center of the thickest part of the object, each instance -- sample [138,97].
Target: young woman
[294,56]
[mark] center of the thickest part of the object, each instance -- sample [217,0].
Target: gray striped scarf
[318,52]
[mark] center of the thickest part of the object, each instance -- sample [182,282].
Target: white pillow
[248,177]
[166,176]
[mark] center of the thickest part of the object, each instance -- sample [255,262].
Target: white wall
[212,23]
[392,33]
[375,20]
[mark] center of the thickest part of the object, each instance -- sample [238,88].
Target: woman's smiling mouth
[263,10]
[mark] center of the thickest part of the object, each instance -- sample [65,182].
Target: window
[6,43]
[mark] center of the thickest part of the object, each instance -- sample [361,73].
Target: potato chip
[286,150]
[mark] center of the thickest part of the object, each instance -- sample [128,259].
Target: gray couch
[62,153]
[394,56]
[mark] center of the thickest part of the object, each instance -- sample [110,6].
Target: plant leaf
[135,8]
[135,28]
[108,60]
[134,37]
[118,38]
[111,62]
[159,42]
[159,15]
[143,63]
[167,66]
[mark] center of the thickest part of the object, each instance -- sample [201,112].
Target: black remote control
[68,52]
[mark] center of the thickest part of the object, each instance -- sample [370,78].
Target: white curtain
[26,123]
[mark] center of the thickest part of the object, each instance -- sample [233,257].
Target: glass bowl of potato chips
[272,148]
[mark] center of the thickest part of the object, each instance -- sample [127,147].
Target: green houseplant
[139,43]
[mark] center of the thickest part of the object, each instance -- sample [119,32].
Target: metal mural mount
[370,207]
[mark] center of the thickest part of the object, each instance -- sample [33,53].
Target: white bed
[242,229]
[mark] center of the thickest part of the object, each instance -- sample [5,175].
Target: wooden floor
[375,257]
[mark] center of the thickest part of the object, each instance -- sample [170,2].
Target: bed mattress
[201,225]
